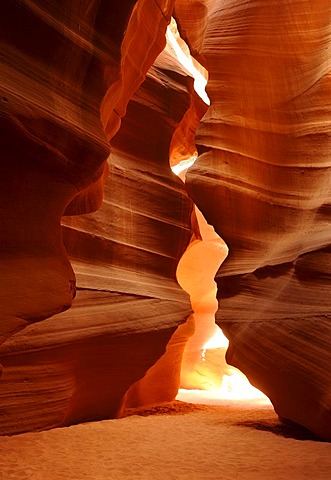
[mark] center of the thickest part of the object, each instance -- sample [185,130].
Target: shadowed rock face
[125,256]
[278,322]
[52,142]
[70,72]
[65,84]
[78,366]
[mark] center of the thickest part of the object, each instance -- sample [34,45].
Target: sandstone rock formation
[125,256]
[263,181]
[65,83]
[71,71]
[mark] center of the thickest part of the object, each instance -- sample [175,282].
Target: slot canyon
[165,177]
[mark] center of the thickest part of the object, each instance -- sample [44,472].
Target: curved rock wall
[263,176]
[69,70]
[125,256]
[65,90]
[263,181]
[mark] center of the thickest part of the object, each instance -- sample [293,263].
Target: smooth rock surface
[114,349]
[70,72]
[262,179]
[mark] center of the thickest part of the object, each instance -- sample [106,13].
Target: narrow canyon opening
[205,374]
[139,213]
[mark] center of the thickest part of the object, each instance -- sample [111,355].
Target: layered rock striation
[68,72]
[89,124]
[262,179]
[117,346]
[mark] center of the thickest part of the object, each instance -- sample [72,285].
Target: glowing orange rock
[262,179]
[195,273]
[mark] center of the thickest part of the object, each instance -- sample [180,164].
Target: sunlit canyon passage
[165,232]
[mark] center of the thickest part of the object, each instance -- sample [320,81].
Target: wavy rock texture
[78,366]
[142,229]
[116,347]
[65,82]
[263,181]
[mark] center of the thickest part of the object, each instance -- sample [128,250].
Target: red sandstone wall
[262,180]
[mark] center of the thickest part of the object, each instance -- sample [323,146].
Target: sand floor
[228,441]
